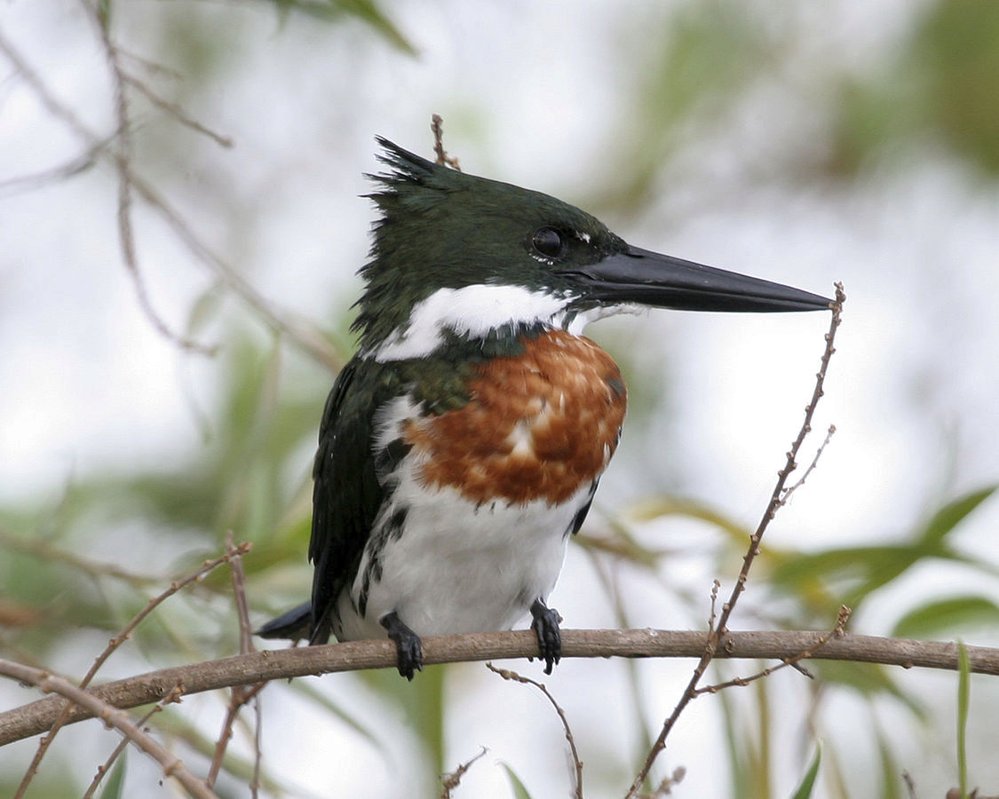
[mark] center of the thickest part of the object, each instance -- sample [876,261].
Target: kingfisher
[461,447]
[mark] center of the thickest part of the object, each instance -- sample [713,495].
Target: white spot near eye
[582,236]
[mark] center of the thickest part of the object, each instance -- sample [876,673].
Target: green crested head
[444,229]
[459,255]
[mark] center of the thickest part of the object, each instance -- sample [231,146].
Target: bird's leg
[545,626]
[409,649]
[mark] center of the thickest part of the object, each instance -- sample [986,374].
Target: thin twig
[152,67]
[66,709]
[507,674]
[669,782]
[43,549]
[283,664]
[443,159]
[713,616]
[452,780]
[72,168]
[172,765]
[811,467]
[105,768]
[177,112]
[241,694]
[122,156]
[721,627]
[838,630]
[302,334]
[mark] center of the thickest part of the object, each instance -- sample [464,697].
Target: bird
[461,446]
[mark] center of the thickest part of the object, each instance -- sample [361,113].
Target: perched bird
[461,446]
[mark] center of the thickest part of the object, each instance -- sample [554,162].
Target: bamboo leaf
[804,790]
[116,781]
[953,513]
[963,697]
[519,791]
[945,615]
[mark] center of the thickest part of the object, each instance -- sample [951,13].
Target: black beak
[648,278]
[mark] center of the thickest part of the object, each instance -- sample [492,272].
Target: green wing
[346,493]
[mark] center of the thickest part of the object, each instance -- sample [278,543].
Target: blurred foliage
[711,52]
[366,11]
[75,570]
[942,87]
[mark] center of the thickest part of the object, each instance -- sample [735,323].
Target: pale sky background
[530,95]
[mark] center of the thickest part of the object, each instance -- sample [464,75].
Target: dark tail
[293,625]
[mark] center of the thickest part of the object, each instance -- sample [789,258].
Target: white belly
[457,567]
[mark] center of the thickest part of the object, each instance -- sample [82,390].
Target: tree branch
[36,717]
[49,683]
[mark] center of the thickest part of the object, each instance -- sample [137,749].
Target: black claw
[409,649]
[545,626]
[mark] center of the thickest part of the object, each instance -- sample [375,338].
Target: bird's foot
[409,649]
[545,626]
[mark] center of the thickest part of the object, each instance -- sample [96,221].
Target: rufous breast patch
[538,425]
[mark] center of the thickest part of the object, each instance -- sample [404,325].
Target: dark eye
[548,242]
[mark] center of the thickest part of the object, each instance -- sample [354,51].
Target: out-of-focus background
[804,143]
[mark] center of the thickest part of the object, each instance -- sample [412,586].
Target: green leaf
[519,791]
[869,681]
[104,14]
[945,615]
[890,770]
[424,703]
[660,506]
[953,513]
[205,309]
[953,57]
[116,781]
[349,720]
[364,10]
[963,697]
[804,790]
[859,570]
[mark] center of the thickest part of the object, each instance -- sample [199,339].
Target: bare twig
[451,781]
[176,111]
[105,767]
[669,782]
[152,67]
[172,765]
[302,334]
[66,709]
[282,664]
[69,169]
[506,674]
[122,156]
[241,694]
[41,548]
[713,617]
[794,660]
[443,159]
[811,467]
[776,500]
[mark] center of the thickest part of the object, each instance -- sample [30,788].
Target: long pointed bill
[648,278]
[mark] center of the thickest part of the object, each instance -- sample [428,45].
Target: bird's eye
[548,242]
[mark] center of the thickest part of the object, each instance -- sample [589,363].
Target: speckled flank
[538,425]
